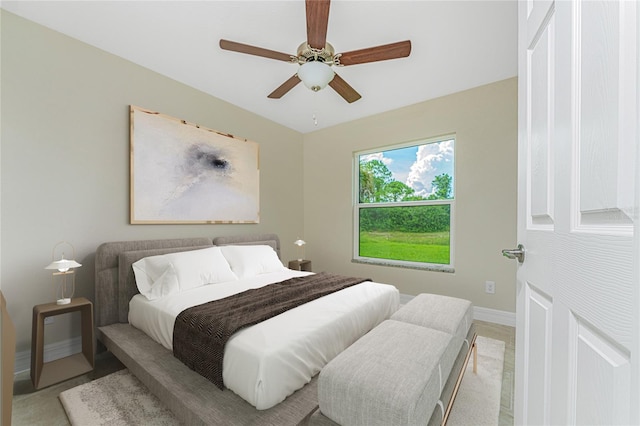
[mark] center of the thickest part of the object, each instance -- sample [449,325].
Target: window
[404,205]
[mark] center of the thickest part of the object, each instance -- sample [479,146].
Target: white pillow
[166,285]
[155,271]
[249,261]
[159,276]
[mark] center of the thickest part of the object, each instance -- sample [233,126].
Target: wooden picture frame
[184,173]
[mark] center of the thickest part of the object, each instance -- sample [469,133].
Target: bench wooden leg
[465,364]
[475,358]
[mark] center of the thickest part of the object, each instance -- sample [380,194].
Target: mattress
[267,362]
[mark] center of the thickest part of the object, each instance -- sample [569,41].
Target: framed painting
[185,173]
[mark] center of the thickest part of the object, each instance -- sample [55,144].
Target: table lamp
[300,244]
[63,268]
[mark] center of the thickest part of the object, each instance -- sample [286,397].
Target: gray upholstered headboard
[115,283]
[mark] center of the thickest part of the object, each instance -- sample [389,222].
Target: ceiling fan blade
[253,50]
[284,87]
[317,21]
[400,49]
[342,87]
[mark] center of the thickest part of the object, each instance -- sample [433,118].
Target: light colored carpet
[117,399]
[478,400]
[120,399]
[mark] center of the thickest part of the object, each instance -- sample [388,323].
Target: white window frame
[450,267]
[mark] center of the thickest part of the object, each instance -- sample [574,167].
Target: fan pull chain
[314,117]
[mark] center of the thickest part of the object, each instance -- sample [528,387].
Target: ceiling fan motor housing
[307,53]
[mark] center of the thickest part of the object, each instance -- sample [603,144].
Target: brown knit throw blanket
[200,333]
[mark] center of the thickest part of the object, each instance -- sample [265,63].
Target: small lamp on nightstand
[64,268]
[300,244]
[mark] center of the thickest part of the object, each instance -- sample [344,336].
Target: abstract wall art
[185,173]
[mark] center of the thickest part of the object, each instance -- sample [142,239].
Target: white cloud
[431,160]
[377,156]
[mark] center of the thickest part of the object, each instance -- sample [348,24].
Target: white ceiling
[456,45]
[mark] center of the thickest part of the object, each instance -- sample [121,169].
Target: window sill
[423,267]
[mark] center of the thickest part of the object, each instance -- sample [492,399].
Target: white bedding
[267,362]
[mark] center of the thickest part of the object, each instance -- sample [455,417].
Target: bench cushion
[444,313]
[390,376]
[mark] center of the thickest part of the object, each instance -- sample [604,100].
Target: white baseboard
[52,352]
[494,316]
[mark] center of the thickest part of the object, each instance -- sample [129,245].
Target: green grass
[415,247]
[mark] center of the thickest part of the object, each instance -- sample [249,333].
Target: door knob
[517,253]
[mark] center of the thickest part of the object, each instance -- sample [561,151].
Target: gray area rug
[478,400]
[117,399]
[120,398]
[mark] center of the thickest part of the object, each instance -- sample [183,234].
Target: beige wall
[484,120]
[65,172]
[65,161]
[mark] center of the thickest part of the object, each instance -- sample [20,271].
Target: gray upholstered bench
[405,371]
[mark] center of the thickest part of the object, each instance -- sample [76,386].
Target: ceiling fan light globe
[315,75]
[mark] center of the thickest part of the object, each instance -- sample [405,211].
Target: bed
[269,385]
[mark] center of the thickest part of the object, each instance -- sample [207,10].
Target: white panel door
[577,299]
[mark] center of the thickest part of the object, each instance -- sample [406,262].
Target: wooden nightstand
[44,374]
[300,265]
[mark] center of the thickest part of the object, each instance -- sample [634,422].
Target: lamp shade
[315,75]
[61,278]
[63,265]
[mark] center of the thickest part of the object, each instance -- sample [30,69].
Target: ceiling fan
[316,57]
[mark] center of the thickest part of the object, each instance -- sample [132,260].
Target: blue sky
[416,166]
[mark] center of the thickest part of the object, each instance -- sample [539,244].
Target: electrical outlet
[490,287]
[49,320]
